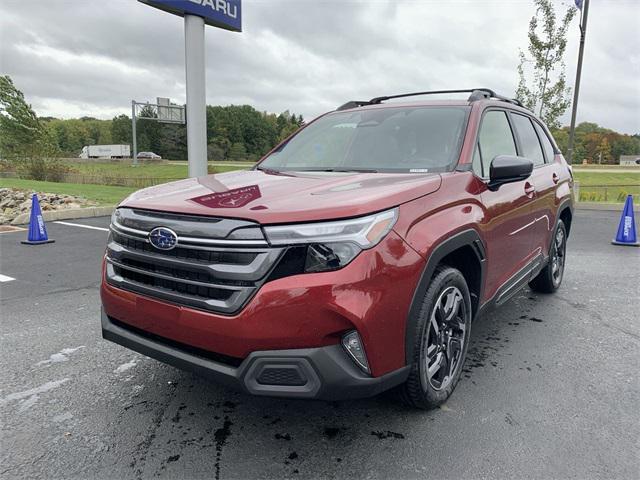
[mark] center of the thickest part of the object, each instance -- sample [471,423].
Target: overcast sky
[91,57]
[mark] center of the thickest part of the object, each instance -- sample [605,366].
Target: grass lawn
[605,186]
[170,171]
[101,194]
[607,178]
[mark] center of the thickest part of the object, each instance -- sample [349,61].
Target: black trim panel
[517,281]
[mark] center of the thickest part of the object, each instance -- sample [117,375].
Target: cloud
[92,57]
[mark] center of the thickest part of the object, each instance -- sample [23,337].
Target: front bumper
[320,373]
[371,295]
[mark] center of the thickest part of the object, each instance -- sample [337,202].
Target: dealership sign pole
[224,14]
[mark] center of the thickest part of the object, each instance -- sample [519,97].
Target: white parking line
[82,226]
[4,278]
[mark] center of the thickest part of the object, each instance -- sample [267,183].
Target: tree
[121,129]
[25,142]
[173,141]
[215,152]
[546,91]
[287,130]
[19,125]
[591,140]
[603,151]
[149,131]
[237,151]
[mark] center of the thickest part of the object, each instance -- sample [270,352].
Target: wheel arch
[464,251]
[566,215]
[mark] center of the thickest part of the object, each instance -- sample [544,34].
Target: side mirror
[508,169]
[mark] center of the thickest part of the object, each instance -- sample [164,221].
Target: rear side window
[529,141]
[549,152]
[495,139]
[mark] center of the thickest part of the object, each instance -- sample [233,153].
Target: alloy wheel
[557,257]
[445,338]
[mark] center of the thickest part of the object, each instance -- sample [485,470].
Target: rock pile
[15,202]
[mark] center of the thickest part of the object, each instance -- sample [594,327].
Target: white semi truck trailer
[105,151]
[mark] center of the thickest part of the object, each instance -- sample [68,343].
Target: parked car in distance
[353,258]
[150,155]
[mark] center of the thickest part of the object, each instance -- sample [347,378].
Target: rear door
[544,178]
[509,224]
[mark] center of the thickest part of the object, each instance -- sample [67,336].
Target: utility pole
[133,133]
[225,14]
[196,99]
[584,11]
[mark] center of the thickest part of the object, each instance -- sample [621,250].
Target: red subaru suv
[353,258]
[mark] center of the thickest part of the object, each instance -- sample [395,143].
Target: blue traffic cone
[37,230]
[627,229]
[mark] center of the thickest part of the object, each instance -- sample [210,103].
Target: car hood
[269,197]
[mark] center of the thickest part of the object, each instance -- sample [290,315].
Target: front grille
[215,266]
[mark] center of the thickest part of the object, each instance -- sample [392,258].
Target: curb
[609,207]
[68,214]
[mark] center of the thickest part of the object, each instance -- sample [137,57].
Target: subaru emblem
[163,238]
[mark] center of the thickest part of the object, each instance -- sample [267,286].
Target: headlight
[365,232]
[329,256]
[330,245]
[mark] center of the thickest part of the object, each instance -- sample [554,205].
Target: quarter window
[549,151]
[495,139]
[529,141]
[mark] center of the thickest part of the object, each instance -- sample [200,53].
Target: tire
[446,302]
[550,277]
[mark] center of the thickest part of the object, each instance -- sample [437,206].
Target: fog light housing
[354,347]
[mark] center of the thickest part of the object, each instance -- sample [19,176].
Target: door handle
[555,178]
[529,189]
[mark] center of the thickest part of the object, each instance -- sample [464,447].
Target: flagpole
[576,89]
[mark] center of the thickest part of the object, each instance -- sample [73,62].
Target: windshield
[416,139]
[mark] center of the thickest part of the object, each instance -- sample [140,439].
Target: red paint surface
[374,292]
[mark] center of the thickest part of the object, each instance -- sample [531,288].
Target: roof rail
[476,94]
[486,94]
[353,104]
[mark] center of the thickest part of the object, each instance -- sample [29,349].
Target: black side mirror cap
[508,169]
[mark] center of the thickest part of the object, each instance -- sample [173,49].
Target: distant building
[630,160]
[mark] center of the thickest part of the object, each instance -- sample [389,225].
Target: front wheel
[442,337]
[550,277]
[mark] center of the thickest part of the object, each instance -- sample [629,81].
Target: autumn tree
[542,86]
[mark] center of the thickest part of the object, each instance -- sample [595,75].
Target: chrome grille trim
[188,241]
[123,229]
[173,279]
[228,306]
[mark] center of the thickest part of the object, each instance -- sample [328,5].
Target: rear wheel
[550,277]
[441,341]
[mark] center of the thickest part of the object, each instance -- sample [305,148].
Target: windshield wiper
[268,170]
[346,170]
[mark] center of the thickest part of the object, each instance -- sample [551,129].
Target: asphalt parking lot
[551,387]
